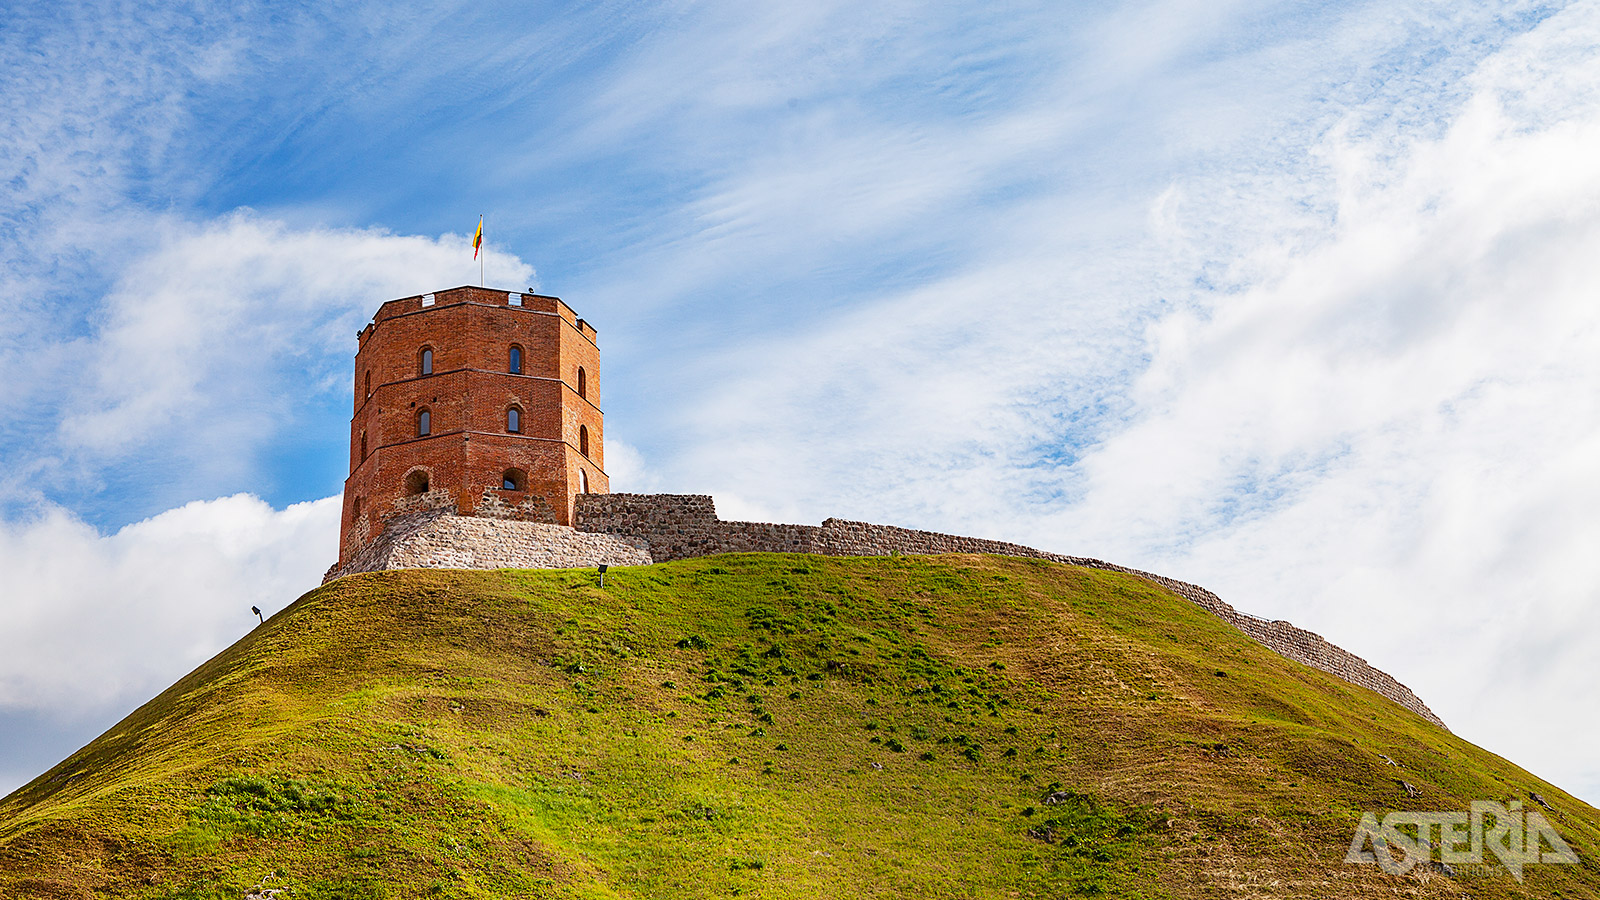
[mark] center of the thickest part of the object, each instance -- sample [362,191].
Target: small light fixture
[602,574]
[257,611]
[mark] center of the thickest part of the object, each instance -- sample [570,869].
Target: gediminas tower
[475,401]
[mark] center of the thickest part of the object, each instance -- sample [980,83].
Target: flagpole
[483,255]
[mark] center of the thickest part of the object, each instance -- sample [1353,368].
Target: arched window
[583,384]
[583,482]
[425,365]
[369,384]
[514,480]
[515,367]
[363,445]
[424,423]
[514,420]
[583,439]
[416,482]
[355,509]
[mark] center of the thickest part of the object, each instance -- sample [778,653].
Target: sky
[1296,301]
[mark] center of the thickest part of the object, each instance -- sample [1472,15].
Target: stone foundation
[638,529]
[440,540]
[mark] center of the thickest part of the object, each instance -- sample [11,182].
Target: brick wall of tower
[471,332]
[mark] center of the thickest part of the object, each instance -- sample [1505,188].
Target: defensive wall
[441,539]
[638,529]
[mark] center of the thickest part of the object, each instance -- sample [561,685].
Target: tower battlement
[477,401]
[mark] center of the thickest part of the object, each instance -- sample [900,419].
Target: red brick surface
[471,331]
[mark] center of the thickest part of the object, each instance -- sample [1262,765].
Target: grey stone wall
[439,540]
[637,529]
[495,505]
[679,526]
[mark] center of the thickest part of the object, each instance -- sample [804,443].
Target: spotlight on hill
[602,574]
[257,611]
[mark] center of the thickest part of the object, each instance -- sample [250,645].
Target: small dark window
[427,360]
[514,480]
[416,483]
[363,445]
[583,482]
[514,420]
[583,440]
[583,385]
[369,384]
[424,424]
[516,360]
[355,509]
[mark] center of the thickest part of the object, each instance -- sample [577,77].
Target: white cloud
[1367,398]
[1392,439]
[1297,308]
[211,347]
[200,334]
[95,621]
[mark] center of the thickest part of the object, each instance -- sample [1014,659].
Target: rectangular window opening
[427,299]
[514,299]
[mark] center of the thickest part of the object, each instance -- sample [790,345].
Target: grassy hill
[755,725]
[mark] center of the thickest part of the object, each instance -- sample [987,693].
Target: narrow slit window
[583,482]
[583,383]
[427,361]
[424,423]
[514,420]
[516,360]
[583,439]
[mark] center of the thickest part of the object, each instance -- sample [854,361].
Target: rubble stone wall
[680,526]
[439,540]
[638,529]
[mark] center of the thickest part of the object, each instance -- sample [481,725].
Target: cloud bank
[95,624]
[1295,303]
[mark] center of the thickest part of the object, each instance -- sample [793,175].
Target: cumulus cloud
[216,345]
[1296,308]
[95,624]
[94,621]
[247,302]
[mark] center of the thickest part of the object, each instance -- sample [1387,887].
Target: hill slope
[756,725]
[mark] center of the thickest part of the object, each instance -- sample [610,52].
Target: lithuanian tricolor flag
[477,239]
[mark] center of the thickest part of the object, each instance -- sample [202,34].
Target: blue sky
[1295,301]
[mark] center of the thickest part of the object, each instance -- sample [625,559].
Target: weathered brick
[464,519]
[470,332]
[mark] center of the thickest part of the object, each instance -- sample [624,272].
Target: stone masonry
[638,529]
[479,401]
[439,539]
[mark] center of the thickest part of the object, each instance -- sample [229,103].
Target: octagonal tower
[475,401]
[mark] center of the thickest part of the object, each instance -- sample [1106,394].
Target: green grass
[754,725]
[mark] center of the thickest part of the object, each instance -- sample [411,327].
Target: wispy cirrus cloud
[1335,365]
[1285,300]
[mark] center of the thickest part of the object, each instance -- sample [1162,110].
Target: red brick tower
[481,402]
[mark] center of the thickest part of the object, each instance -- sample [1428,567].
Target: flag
[477,239]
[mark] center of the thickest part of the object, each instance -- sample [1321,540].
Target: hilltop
[760,725]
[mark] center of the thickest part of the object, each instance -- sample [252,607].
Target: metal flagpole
[483,253]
